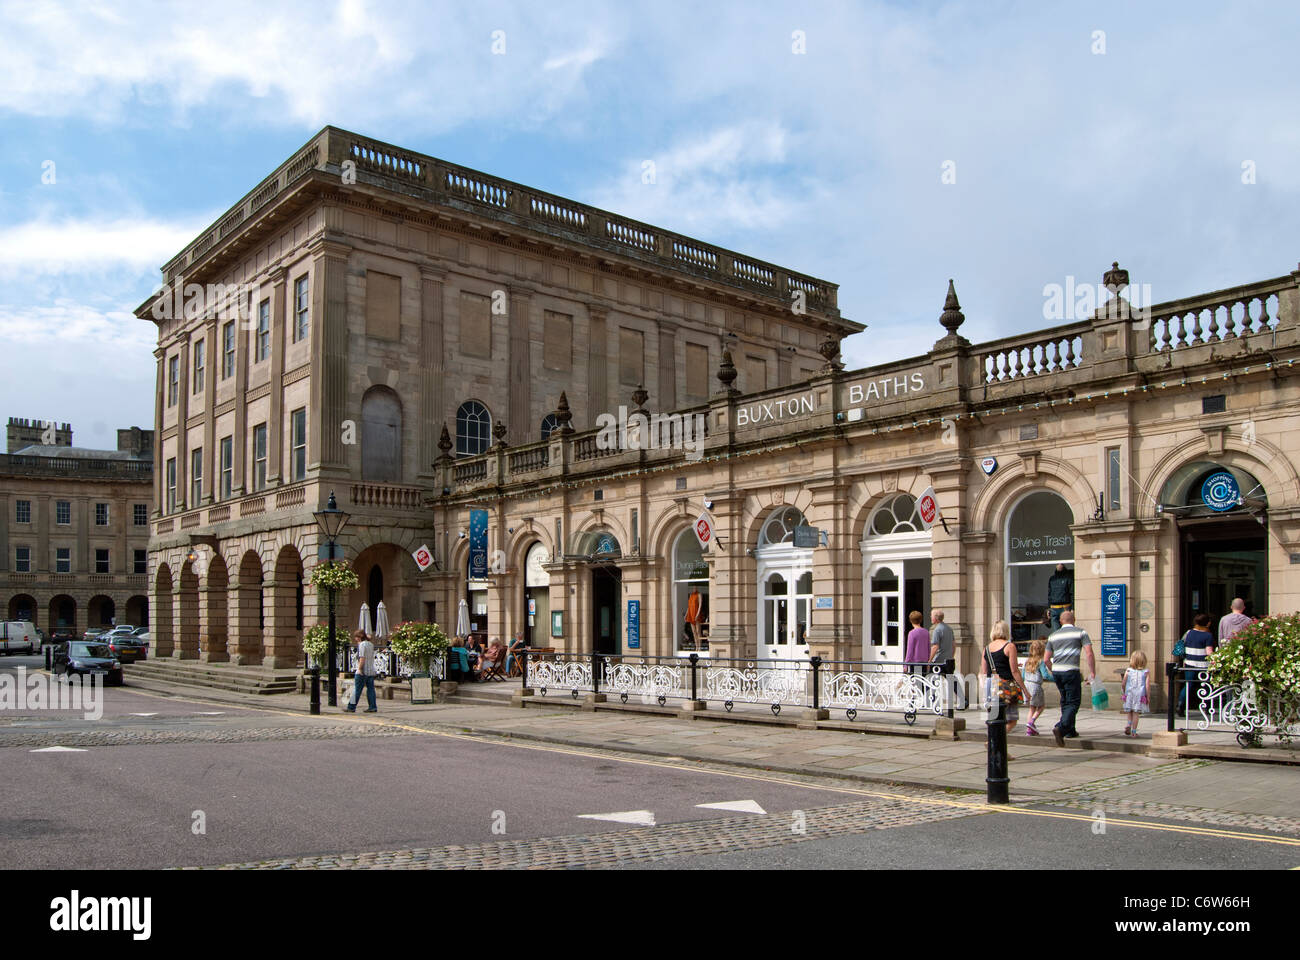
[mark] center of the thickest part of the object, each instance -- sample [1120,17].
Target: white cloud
[54,247]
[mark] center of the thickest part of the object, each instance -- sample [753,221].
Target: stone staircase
[164,673]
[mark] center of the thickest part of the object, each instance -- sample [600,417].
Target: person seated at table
[458,669]
[474,650]
[493,655]
[514,652]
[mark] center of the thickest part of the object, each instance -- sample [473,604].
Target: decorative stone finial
[444,442]
[1115,279]
[952,317]
[499,433]
[727,372]
[830,351]
[563,416]
[639,397]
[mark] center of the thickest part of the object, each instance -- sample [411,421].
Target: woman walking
[1000,666]
[918,644]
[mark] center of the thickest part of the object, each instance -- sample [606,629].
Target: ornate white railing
[387,664]
[560,672]
[755,682]
[883,687]
[1247,709]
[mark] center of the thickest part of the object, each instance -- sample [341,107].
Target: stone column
[185,617]
[731,589]
[239,443]
[211,379]
[244,635]
[83,562]
[275,420]
[949,582]
[835,634]
[281,640]
[329,377]
[214,611]
[182,433]
[667,397]
[159,405]
[431,371]
[597,366]
[519,365]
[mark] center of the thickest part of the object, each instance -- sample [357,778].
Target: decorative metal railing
[815,683]
[1245,708]
[387,664]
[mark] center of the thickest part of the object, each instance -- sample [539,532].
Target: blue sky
[157,117]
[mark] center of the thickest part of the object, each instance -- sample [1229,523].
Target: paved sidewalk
[1038,770]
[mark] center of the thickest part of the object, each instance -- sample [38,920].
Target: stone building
[75,529]
[1146,460]
[477,367]
[366,310]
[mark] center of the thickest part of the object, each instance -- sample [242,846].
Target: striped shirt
[1196,646]
[1066,645]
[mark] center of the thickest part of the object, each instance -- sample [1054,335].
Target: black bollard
[997,779]
[315,690]
[49,657]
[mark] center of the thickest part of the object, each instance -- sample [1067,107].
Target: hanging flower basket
[334,576]
[316,644]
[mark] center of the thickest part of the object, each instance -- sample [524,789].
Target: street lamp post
[331,521]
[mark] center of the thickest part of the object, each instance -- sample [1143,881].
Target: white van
[17,636]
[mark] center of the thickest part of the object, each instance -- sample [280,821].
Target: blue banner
[1114,619]
[634,624]
[478,552]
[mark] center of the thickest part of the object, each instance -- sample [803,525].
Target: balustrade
[386,496]
[1038,356]
[1192,323]
[534,459]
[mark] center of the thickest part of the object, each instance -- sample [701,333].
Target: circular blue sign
[1220,491]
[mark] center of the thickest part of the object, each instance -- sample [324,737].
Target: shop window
[690,594]
[1040,564]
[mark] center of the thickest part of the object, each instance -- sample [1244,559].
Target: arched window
[779,527]
[381,436]
[549,425]
[896,515]
[1040,564]
[690,594]
[473,429]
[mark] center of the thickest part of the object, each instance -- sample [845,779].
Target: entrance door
[606,609]
[1223,559]
[786,603]
[885,613]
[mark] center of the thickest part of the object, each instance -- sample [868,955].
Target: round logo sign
[1220,491]
[928,509]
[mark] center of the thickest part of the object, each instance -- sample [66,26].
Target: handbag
[1008,691]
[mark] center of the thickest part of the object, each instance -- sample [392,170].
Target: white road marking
[58,750]
[644,818]
[739,806]
[210,713]
[144,714]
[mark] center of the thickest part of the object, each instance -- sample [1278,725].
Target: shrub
[418,643]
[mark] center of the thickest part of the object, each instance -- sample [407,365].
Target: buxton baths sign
[885,388]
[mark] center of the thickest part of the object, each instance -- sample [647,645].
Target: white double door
[785,599]
[888,564]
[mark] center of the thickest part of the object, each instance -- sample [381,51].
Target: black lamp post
[331,521]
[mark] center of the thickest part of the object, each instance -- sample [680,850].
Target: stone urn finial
[830,351]
[499,433]
[952,317]
[563,416]
[727,371]
[639,397]
[1115,279]
[444,442]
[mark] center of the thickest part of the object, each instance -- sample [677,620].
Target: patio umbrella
[381,621]
[462,619]
[364,623]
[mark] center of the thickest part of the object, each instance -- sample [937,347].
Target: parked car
[142,631]
[42,637]
[87,658]
[63,635]
[17,636]
[126,647]
[121,630]
[95,632]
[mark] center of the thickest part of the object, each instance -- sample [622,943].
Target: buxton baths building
[1138,465]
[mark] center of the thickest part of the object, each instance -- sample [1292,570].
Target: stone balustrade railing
[1048,351]
[447,184]
[14,464]
[386,496]
[1215,317]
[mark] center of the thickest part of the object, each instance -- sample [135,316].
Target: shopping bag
[1100,698]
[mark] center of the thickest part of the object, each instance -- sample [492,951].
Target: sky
[885,147]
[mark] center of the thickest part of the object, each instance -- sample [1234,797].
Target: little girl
[1137,691]
[1035,673]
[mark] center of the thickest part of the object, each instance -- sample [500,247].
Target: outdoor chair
[493,670]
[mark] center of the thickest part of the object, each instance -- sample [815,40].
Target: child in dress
[1137,691]
[1035,673]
